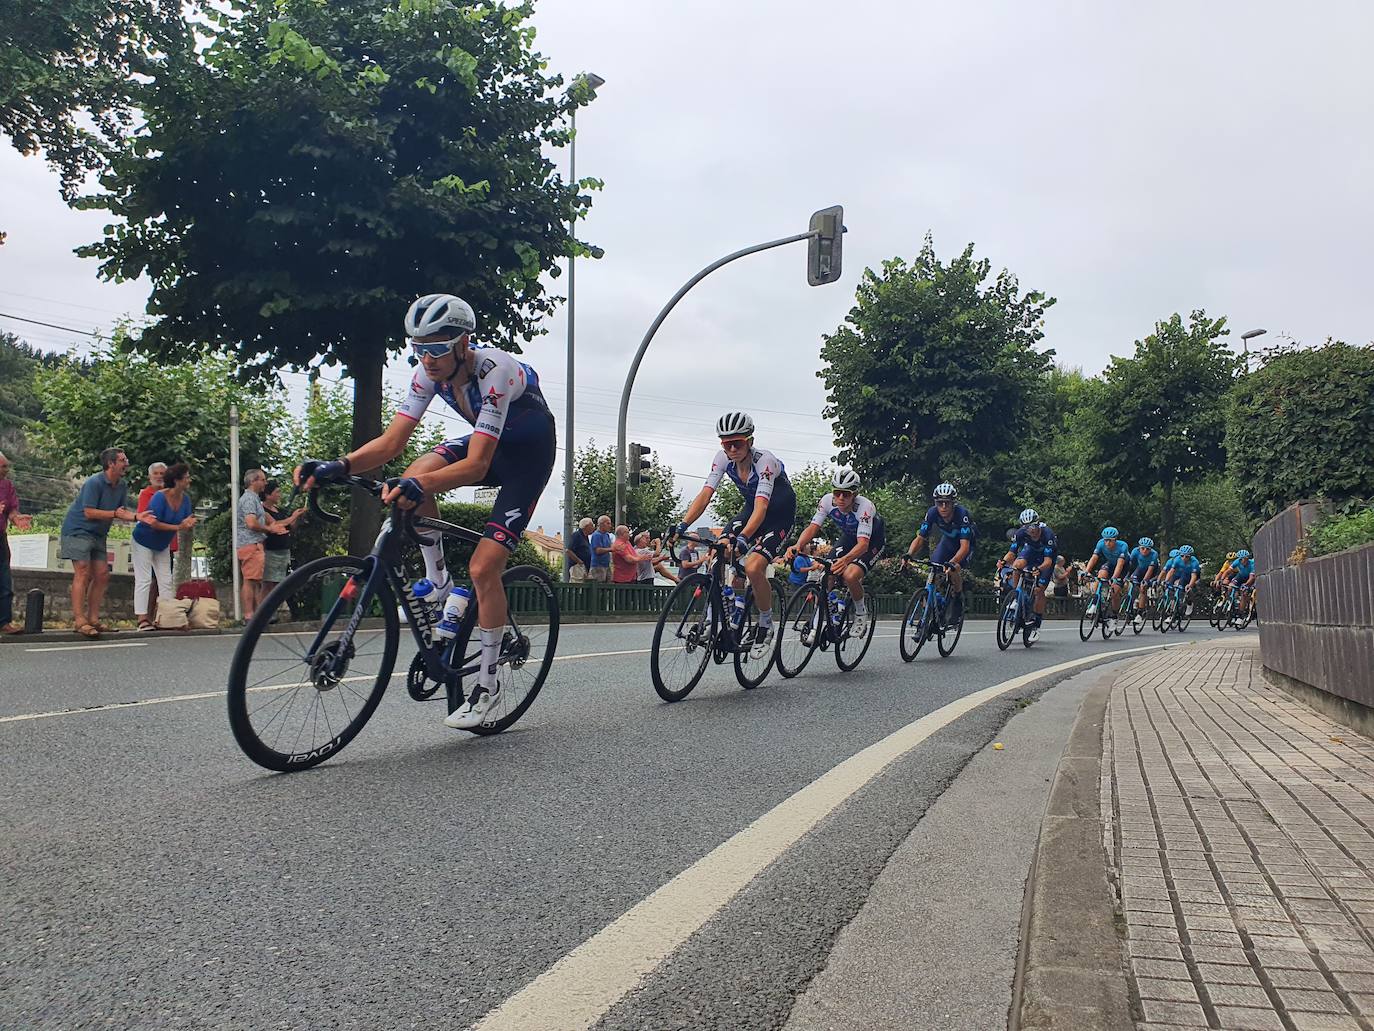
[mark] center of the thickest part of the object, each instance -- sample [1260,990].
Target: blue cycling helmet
[1185,551]
[1174,553]
[1110,533]
[1145,542]
[1242,554]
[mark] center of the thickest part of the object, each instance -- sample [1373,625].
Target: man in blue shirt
[950,522]
[1111,552]
[1034,547]
[601,543]
[578,553]
[104,497]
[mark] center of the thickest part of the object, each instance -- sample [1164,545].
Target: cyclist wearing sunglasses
[1033,547]
[951,521]
[1142,565]
[1111,552]
[760,529]
[511,447]
[862,538]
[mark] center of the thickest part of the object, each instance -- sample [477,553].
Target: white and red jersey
[500,384]
[857,522]
[765,473]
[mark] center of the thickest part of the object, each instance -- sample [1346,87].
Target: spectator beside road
[103,498]
[578,553]
[253,529]
[167,513]
[9,513]
[625,558]
[601,543]
[156,472]
[654,563]
[691,556]
[277,546]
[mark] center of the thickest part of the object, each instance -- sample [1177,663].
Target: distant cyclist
[951,521]
[761,528]
[512,447]
[1034,547]
[1187,571]
[1143,566]
[1225,571]
[1111,553]
[1242,574]
[862,538]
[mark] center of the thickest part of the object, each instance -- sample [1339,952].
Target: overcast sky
[1131,161]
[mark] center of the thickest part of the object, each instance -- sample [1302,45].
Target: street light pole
[595,82]
[1245,339]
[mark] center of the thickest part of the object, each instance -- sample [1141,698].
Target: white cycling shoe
[859,628]
[763,640]
[480,706]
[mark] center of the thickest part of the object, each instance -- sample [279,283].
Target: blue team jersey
[1046,544]
[1142,560]
[1186,568]
[1169,565]
[959,527]
[1110,551]
[1243,570]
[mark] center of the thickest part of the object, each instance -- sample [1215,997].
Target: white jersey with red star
[765,472]
[857,522]
[499,385]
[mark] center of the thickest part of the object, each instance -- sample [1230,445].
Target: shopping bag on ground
[204,614]
[172,613]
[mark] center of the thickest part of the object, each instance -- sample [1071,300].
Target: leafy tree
[926,355]
[1302,426]
[42,485]
[810,484]
[71,72]
[1160,419]
[650,506]
[362,153]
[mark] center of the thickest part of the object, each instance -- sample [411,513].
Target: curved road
[154,878]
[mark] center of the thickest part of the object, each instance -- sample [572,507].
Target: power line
[50,325]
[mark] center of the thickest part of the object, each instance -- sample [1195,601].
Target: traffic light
[639,464]
[824,249]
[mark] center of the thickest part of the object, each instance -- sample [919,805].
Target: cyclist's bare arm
[470,470]
[917,543]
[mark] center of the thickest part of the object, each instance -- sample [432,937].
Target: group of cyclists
[512,447]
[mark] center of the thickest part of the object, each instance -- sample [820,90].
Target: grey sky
[1131,161]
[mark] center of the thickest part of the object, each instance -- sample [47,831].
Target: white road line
[580,988]
[88,647]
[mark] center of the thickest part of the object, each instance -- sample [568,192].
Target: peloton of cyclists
[951,521]
[759,530]
[1034,548]
[862,538]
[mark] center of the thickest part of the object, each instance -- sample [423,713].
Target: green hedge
[1338,532]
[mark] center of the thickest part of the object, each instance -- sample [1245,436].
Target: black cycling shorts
[771,539]
[520,468]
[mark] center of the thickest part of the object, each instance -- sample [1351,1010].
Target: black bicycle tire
[921,628]
[953,632]
[1003,638]
[693,582]
[237,700]
[845,636]
[1089,621]
[465,634]
[749,621]
[798,599]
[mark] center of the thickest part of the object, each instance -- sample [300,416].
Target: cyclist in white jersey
[512,447]
[862,538]
[761,528]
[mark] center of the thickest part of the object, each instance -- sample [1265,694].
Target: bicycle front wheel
[850,650]
[800,631]
[301,685]
[915,626]
[1088,621]
[1006,620]
[528,642]
[683,639]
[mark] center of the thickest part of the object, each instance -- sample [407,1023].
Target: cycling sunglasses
[735,442]
[842,494]
[433,349]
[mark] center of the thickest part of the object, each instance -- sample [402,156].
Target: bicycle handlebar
[404,518]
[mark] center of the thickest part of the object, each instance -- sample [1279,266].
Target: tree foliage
[1302,426]
[928,352]
[650,506]
[1161,420]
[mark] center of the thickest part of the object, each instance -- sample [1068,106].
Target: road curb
[1070,972]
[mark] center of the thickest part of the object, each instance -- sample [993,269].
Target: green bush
[1338,532]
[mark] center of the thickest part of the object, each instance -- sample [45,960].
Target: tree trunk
[1166,515]
[181,568]
[366,370]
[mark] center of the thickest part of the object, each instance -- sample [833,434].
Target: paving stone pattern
[1242,827]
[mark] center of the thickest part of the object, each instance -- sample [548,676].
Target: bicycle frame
[723,630]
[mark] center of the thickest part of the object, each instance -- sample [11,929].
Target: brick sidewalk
[1242,827]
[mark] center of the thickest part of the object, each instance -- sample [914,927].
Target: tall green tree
[1161,419]
[1302,426]
[935,364]
[319,165]
[43,483]
[649,506]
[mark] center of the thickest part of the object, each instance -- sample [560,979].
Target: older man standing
[579,551]
[601,543]
[103,498]
[253,529]
[9,513]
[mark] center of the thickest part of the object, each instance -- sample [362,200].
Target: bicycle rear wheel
[948,637]
[683,639]
[800,631]
[915,627]
[298,691]
[850,650]
[528,642]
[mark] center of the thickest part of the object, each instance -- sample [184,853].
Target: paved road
[151,877]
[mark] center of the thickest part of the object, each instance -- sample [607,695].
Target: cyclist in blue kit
[1034,547]
[950,522]
[760,529]
[1111,552]
[1142,566]
[512,447]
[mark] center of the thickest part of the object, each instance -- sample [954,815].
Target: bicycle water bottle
[836,607]
[420,590]
[727,595]
[455,607]
[738,618]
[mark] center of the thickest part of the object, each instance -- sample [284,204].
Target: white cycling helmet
[844,479]
[735,424]
[944,490]
[439,313]
[1029,516]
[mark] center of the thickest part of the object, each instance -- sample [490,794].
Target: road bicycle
[817,616]
[928,613]
[1127,614]
[703,619]
[1230,615]
[1016,613]
[1097,610]
[317,656]
[1178,608]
